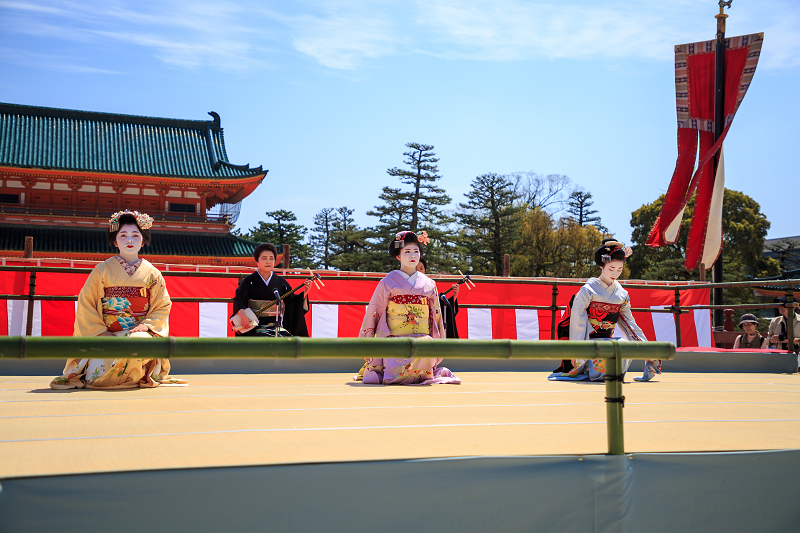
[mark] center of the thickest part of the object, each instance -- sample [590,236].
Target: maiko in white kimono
[596,310]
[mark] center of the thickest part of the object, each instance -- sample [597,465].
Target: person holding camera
[777,333]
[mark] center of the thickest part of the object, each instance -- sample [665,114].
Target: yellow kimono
[112,302]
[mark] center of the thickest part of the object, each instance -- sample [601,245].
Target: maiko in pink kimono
[405,304]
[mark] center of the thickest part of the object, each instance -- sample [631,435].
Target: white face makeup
[129,241]
[611,271]
[409,258]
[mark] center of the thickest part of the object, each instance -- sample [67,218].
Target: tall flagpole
[719,125]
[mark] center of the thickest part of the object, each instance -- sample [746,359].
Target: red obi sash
[602,318]
[409,299]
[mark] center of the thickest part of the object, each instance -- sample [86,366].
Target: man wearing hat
[751,339]
[777,328]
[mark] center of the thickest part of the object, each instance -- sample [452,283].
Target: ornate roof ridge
[99,116]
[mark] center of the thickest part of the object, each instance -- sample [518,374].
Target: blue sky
[325,94]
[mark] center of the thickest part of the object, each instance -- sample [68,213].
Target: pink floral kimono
[404,306]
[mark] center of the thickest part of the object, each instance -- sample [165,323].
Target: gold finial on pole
[722,5]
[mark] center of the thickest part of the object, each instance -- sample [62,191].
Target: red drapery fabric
[694,91]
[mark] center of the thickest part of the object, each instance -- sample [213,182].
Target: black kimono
[252,289]
[449,312]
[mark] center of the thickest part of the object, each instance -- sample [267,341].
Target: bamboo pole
[305,348]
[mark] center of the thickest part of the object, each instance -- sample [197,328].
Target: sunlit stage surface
[311,451]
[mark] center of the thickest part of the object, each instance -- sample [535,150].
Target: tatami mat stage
[234,420]
[292,419]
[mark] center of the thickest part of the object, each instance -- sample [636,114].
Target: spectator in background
[777,333]
[750,339]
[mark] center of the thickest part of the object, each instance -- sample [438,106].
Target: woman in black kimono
[259,288]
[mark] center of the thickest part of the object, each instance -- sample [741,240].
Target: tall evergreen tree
[579,207]
[489,221]
[284,231]
[320,239]
[349,246]
[418,209]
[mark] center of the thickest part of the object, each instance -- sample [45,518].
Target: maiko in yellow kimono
[116,298]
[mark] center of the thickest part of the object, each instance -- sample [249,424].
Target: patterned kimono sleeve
[437,330]
[579,321]
[374,324]
[160,305]
[632,330]
[89,313]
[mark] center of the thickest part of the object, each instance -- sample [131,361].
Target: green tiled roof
[79,240]
[51,138]
[793,275]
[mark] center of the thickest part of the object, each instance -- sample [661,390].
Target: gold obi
[257,305]
[408,315]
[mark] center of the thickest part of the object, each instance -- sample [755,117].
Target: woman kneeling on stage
[593,313]
[405,304]
[124,296]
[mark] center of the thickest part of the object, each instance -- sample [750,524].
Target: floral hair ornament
[423,238]
[143,220]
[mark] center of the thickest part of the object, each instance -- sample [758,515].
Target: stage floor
[268,419]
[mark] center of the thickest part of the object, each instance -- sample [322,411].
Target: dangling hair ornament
[144,220]
[399,239]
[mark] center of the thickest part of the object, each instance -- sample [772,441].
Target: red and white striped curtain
[210,319]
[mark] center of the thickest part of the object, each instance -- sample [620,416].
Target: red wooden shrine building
[63,172]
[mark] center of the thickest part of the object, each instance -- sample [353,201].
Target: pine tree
[489,220]
[579,207]
[283,231]
[418,209]
[320,239]
[349,246]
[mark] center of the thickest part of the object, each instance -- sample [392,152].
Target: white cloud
[348,34]
[508,30]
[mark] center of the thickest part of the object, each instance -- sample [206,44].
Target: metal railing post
[31,294]
[790,317]
[553,312]
[677,316]
[615,401]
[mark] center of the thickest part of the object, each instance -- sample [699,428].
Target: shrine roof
[64,139]
[83,240]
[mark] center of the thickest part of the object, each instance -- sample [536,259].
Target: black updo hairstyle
[610,250]
[407,237]
[125,219]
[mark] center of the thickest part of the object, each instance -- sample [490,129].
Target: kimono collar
[604,285]
[130,269]
[417,280]
[266,281]
[412,278]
